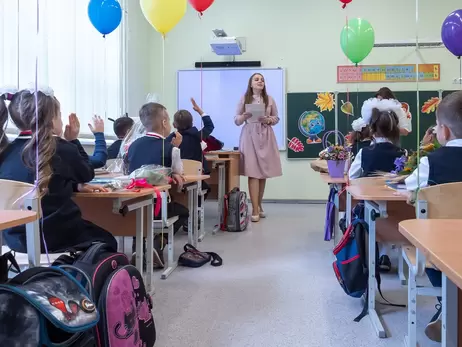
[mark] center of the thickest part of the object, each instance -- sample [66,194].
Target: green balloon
[357,39]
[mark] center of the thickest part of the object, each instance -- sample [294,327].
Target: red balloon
[201,5]
[345,2]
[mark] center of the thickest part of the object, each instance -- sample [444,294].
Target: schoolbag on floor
[120,295]
[330,216]
[236,211]
[351,267]
[46,307]
[192,257]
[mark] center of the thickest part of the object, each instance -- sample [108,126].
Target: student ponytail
[3,122]
[385,124]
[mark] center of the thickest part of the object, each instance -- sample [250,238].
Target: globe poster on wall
[309,117]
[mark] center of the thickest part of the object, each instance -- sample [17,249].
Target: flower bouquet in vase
[336,155]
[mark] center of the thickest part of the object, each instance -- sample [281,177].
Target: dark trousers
[435,278]
[173,209]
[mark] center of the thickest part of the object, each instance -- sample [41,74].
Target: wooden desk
[379,201]
[121,213]
[231,162]
[14,218]
[440,240]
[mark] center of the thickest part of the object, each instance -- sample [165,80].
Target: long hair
[3,120]
[26,119]
[358,136]
[385,93]
[248,97]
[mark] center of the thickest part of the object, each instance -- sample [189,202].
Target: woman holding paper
[257,145]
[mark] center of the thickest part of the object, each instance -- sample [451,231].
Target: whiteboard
[222,90]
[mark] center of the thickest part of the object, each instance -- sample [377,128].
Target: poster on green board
[309,117]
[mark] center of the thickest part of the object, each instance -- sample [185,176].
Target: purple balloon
[451,33]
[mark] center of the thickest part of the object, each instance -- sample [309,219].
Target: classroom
[230,174]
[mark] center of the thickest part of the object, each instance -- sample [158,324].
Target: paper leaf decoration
[430,105]
[325,101]
[296,145]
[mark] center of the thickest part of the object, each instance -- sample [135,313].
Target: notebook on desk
[396,186]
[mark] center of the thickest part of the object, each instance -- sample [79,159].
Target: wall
[304,39]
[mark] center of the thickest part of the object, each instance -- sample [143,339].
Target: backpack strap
[332,193]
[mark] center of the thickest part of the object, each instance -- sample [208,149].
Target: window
[84,69]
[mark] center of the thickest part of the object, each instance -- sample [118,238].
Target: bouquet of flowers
[405,165]
[336,153]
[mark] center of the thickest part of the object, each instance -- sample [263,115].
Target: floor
[276,288]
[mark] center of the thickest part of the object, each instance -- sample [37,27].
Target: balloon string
[105,77]
[348,87]
[201,88]
[36,188]
[163,67]
[460,73]
[417,88]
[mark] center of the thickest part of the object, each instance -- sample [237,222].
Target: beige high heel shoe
[255,218]
[262,213]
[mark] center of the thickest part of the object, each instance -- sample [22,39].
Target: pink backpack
[120,295]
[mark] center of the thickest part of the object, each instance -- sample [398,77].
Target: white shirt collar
[380,140]
[454,143]
[153,134]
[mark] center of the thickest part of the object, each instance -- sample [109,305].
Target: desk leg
[139,241]
[191,215]
[201,218]
[196,191]
[449,314]
[370,220]
[348,208]
[221,194]
[149,245]
[171,262]
[33,235]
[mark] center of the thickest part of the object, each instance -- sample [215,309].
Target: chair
[194,168]
[18,196]
[434,202]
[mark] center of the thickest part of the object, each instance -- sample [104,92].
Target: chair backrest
[192,167]
[14,194]
[368,181]
[442,200]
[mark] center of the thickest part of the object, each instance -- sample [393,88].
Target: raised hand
[196,107]
[97,126]
[73,128]
[176,141]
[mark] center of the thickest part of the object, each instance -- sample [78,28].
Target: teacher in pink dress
[257,145]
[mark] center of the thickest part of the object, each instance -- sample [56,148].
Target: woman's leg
[254,190]
[261,188]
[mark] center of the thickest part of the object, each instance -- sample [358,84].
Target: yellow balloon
[163,15]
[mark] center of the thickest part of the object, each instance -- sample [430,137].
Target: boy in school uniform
[122,126]
[154,149]
[440,167]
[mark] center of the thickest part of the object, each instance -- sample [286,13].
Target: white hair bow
[358,124]
[47,90]
[152,97]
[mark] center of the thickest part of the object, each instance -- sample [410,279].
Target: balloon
[163,15]
[451,33]
[105,15]
[201,5]
[357,39]
[345,2]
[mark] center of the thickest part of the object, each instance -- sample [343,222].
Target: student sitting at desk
[122,126]
[152,149]
[440,167]
[360,137]
[63,168]
[379,157]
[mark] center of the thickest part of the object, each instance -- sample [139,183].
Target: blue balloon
[105,15]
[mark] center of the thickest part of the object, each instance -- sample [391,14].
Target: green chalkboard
[309,117]
[350,108]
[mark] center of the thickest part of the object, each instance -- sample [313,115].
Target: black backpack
[46,306]
[351,265]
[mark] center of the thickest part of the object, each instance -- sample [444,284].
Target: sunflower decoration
[325,101]
[430,105]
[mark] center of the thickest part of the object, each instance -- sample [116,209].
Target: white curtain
[84,69]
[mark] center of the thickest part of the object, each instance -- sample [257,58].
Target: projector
[225,45]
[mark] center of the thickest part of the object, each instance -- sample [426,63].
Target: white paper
[257,111]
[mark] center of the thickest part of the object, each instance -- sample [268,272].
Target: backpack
[120,295]
[330,216]
[351,267]
[236,211]
[46,307]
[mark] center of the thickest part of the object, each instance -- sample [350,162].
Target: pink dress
[257,145]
